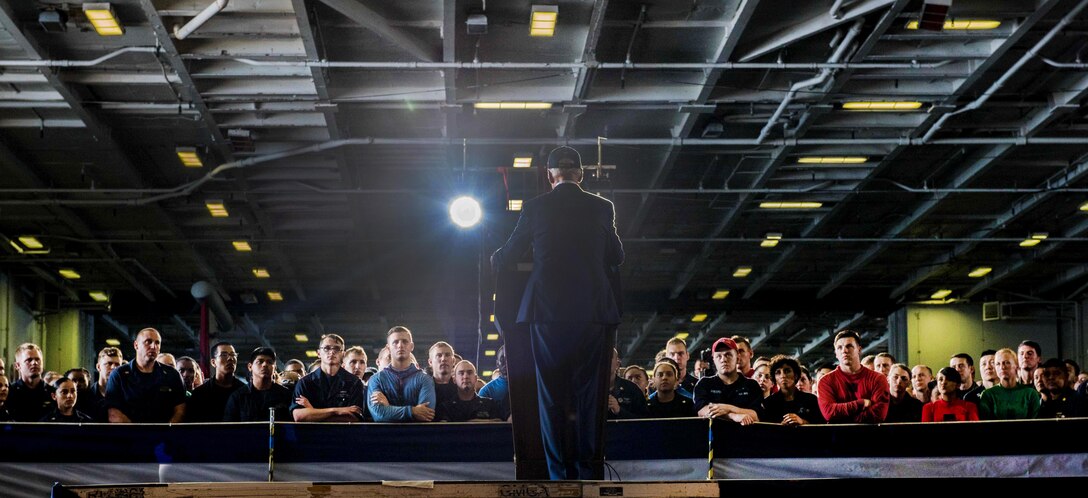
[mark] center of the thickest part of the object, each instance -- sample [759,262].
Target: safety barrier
[37,455]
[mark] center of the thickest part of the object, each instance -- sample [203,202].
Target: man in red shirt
[852,393]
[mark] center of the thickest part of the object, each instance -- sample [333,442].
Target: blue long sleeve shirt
[403,389]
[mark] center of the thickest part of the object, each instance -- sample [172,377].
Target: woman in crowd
[789,405]
[4,415]
[948,406]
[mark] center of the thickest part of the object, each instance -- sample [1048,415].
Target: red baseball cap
[724,342]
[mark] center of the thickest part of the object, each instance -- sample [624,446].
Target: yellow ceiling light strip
[543,19]
[980,272]
[964,24]
[833,160]
[882,106]
[790,205]
[69,273]
[242,246]
[217,208]
[103,19]
[516,106]
[275,295]
[720,294]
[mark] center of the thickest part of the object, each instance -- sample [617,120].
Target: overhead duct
[205,293]
[181,32]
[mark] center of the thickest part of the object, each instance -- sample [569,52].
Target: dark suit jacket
[574,241]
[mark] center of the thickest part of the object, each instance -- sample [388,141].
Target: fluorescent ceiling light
[941,294]
[189,157]
[30,242]
[867,105]
[489,352]
[980,272]
[682,335]
[1034,240]
[241,246]
[301,338]
[699,317]
[113,342]
[99,296]
[514,105]
[103,19]
[275,295]
[311,354]
[513,205]
[69,273]
[790,205]
[543,19]
[492,337]
[720,294]
[487,373]
[832,160]
[216,208]
[771,240]
[742,271]
[261,273]
[523,161]
[1084,207]
[964,24]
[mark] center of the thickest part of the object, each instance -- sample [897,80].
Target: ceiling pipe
[426,66]
[205,292]
[1027,57]
[70,63]
[190,187]
[1064,65]
[835,8]
[820,79]
[181,32]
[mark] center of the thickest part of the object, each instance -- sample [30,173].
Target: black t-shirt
[688,383]
[145,398]
[336,391]
[1060,406]
[804,405]
[907,410]
[250,405]
[77,417]
[443,395]
[742,393]
[478,408]
[973,395]
[631,399]
[29,404]
[680,406]
[209,400]
[91,402]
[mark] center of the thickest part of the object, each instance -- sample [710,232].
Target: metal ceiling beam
[979,72]
[173,58]
[706,333]
[584,80]
[828,334]
[875,345]
[726,222]
[51,279]
[1018,208]
[815,24]
[971,171]
[103,133]
[371,20]
[1061,279]
[1041,254]
[727,44]
[180,322]
[118,326]
[644,331]
[774,328]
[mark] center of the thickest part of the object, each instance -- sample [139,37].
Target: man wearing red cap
[853,393]
[728,394]
[572,311]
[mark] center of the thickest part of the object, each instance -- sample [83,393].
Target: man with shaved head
[144,390]
[467,405]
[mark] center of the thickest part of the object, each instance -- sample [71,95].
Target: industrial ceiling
[333,133]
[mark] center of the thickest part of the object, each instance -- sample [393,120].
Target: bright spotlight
[465,212]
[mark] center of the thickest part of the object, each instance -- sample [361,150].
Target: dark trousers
[572,363]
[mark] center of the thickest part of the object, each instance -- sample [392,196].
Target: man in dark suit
[570,305]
